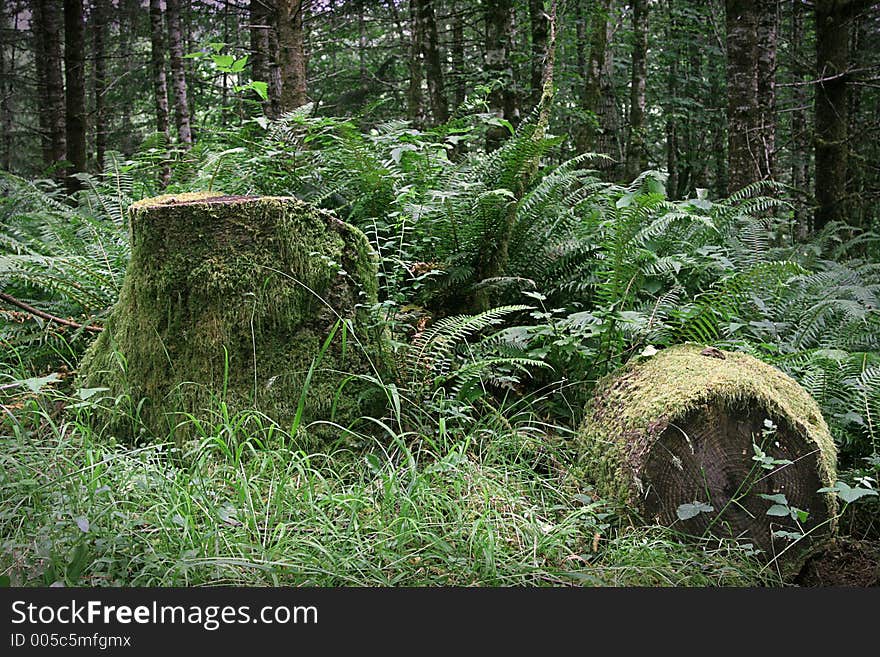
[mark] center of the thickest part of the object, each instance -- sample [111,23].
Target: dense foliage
[519,263]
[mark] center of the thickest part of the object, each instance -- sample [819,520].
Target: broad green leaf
[88,393]
[38,383]
[688,511]
[223,61]
[261,88]
[779,498]
[780,510]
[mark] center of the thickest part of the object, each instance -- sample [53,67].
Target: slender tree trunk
[855,182]
[719,154]
[767,36]
[38,33]
[129,23]
[178,74]
[160,88]
[414,103]
[540,24]
[800,156]
[743,115]
[275,83]
[7,70]
[589,132]
[100,19]
[502,100]
[832,108]
[433,62]
[695,128]
[75,76]
[671,108]
[259,55]
[636,155]
[293,57]
[49,37]
[458,74]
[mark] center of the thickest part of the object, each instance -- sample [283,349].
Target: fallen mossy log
[232,303]
[709,442]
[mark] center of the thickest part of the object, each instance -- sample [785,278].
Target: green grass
[486,503]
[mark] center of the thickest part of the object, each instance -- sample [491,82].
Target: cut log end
[716,443]
[710,458]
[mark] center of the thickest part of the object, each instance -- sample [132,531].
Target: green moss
[230,299]
[633,407]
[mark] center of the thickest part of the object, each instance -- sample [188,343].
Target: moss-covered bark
[230,299]
[680,427]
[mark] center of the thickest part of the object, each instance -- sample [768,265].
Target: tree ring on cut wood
[228,303]
[709,444]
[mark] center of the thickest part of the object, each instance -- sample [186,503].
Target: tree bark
[48,36]
[458,74]
[100,18]
[767,36]
[498,17]
[292,55]
[275,83]
[7,70]
[433,64]
[636,155]
[129,23]
[540,24]
[800,156]
[589,132]
[178,74]
[743,115]
[259,56]
[414,102]
[832,109]
[160,88]
[75,76]
[671,107]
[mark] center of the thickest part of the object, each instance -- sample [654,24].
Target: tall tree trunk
[832,108]
[414,103]
[160,88]
[75,76]
[178,74]
[129,24]
[743,114]
[7,70]
[458,74]
[502,99]
[49,38]
[671,108]
[433,64]
[636,155]
[540,24]
[596,65]
[719,154]
[275,83]
[767,36]
[259,55]
[100,19]
[855,180]
[800,152]
[293,57]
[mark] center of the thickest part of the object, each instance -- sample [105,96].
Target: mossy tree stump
[231,299]
[675,433]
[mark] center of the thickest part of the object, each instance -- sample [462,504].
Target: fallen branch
[44,315]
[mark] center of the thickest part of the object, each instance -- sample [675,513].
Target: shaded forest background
[719,94]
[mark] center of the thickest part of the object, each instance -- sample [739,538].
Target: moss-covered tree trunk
[230,300]
[709,441]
